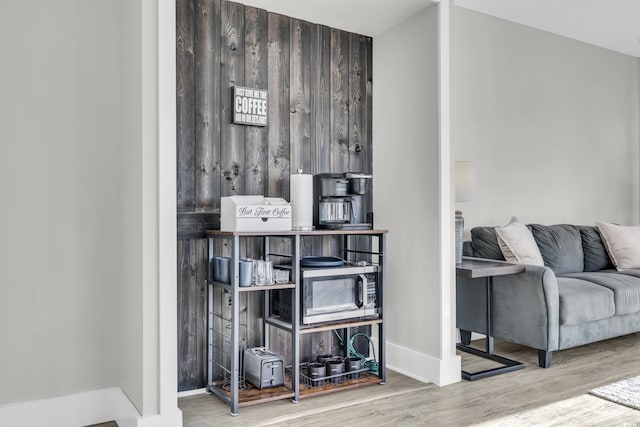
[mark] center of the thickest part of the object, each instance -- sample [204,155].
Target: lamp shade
[465,178]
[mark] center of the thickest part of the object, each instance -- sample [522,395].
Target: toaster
[263,368]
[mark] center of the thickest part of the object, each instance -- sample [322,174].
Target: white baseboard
[193,392]
[422,367]
[477,336]
[81,409]
[450,371]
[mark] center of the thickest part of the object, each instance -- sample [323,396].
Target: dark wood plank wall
[319,82]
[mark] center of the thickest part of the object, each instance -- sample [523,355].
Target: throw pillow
[517,244]
[596,257]
[485,243]
[622,243]
[560,246]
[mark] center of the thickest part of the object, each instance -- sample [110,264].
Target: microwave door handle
[353,214]
[363,286]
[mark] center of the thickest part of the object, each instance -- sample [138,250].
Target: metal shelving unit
[232,390]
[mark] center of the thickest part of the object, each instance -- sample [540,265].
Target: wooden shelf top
[476,267]
[295,232]
[366,378]
[253,396]
[307,329]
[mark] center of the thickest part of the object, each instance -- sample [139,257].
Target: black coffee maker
[339,201]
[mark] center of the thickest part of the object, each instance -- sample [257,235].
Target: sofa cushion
[583,301]
[622,243]
[595,254]
[560,247]
[629,272]
[625,288]
[518,245]
[485,243]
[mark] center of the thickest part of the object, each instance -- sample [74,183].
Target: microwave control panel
[372,290]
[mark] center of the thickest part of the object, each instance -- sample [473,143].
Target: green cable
[372,365]
[339,337]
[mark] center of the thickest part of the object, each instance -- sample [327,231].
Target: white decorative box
[254,213]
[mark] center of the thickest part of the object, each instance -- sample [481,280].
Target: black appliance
[332,294]
[339,201]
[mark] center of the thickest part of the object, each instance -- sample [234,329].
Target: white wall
[407,171]
[61,133]
[550,123]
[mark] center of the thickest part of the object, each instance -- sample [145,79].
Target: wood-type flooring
[530,397]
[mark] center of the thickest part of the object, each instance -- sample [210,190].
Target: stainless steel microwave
[333,294]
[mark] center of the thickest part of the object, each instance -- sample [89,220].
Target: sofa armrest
[524,307]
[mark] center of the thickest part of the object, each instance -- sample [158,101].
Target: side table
[475,268]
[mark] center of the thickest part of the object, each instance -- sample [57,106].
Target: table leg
[508,364]
[489,341]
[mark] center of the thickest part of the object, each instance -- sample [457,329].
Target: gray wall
[550,123]
[134,368]
[78,298]
[406,161]
[61,131]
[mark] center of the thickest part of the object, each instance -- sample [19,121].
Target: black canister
[334,367]
[353,364]
[317,372]
[324,358]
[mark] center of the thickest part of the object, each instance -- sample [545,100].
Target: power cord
[371,364]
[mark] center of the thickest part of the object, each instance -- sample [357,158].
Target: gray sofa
[577,298]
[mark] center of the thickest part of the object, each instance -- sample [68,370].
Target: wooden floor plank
[532,396]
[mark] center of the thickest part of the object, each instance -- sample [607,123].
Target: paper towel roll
[301,186]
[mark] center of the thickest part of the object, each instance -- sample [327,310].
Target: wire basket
[226,380]
[330,379]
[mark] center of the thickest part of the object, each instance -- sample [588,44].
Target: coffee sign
[249,106]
